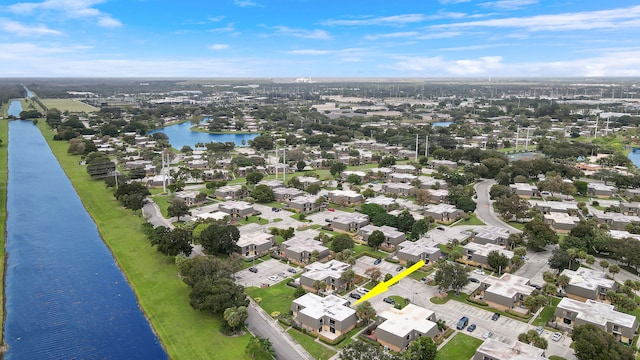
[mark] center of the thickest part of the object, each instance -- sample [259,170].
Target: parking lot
[271,267]
[366,262]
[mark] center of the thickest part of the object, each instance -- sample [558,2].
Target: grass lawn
[4,132]
[274,298]
[419,274]
[68,105]
[517,225]
[547,313]
[317,350]
[361,248]
[473,220]
[162,200]
[253,219]
[184,332]
[556,357]
[400,300]
[462,346]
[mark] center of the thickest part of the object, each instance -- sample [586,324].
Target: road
[261,324]
[484,209]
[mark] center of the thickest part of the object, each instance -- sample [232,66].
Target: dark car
[292,270]
[389,301]
[354,296]
[253,269]
[495,316]
[471,327]
[328,220]
[462,323]
[474,280]
[441,228]
[399,268]
[378,261]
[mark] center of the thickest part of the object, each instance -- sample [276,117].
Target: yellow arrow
[384,286]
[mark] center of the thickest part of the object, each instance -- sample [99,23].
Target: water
[65,296]
[441,123]
[181,135]
[15,108]
[634,156]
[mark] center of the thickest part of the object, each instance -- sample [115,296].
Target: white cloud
[216,18]
[228,28]
[621,18]
[384,20]
[303,33]
[218,46]
[71,9]
[247,3]
[439,35]
[310,52]
[19,29]
[509,4]
[473,47]
[393,35]
[442,66]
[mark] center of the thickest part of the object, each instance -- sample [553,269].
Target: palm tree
[235,316]
[319,285]
[604,264]
[365,312]
[347,276]
[614,269]
[563,280]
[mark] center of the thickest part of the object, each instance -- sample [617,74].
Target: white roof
[517,351]
[240,205]
[410,318]
[381,200]
[331,306]
[216,215]
[256,238]
[491,232]
[440,208]
[321,271]
[561,218]
[419,247]
[508,285]
[597,313]
[588,279]
[485,249]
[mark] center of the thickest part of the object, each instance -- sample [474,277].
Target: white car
[478,271]
[487,334]
[362,290]
[556,336]
[274,278]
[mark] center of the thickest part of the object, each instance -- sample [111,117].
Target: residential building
[621,234]
[587,284]
[615,221]
[632,208]
[379,173]
[439,195]
[345,197]
[505,292]
[285,194]
[328,272]
[422,249]
[229,192]
[307,180]
[236,209]
[403,169]
[361,174]
[398,327]
[491,235]
[571,313]
[398,189]
[477,254]
[392,236]
[255,244]
[299,249]
[306,204]
[561,222]
[385,202]
[547,207]
[443,212]
[272,184]
[600,190]
[524,190]
[402,178]
[329,316]
[427,182]
[437,163]
[191,198]
[497,350]
[349,222]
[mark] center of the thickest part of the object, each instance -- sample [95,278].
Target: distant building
[437,163]
[478,254]
[349,222]
[491,235]
[385,202]
[496,350]
[600,190]
[505,292]
[305,204]
[345,197]
[398,189]
[392,236]
[561,222]
[236,209]
[443,212]
[587,284]
[547,207]
[255,244]
[422,249]
[229,192]
[524,190]
[329,273]
[284,194]
[398,328]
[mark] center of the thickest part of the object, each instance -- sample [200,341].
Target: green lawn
[184,333]
[473,220]
[162,200]
[547,313]
[400,300]
[462,346]
[274,298]
[317,350]
[419,274]
[68,105]
[4,132]
[253,219]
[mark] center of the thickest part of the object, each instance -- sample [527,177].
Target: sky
[319,38]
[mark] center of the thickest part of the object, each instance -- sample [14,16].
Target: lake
[441,123]
[66,298]
[634,156]
[181,135]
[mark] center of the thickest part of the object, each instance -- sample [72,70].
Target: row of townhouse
[392,236]
[422,249]
[477,254]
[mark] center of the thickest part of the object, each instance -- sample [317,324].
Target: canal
[66,298]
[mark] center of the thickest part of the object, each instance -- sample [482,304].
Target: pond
[181,135]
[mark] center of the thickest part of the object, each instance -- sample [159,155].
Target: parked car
[355,296]
[471,327]
[389,300]
[292,270]
[487,334]
[253,269]
[378,261]
[478,271]
[462,323]
[441,228]
[275,209]
[556,336]
[399,268]
[539,330]
[282,274]
[331,209]
[362,290]
[274,278]
[328,220]
[474,280]
[495,316]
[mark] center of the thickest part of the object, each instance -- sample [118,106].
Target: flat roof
[491,232]
[346,193]
[588,279]
[601,186]
[289,191]
[485,249]
[508,285]
[597,313]
[516,351]
[255,238]
[317,307]
[554,205]
[346,218]
[321,271]
[440,208]
[300,245]
[388,231]
[561,218]
[524,186]
[419,247]
[410,318]
[226,188]
[240,205]
[398,186]
[381,200]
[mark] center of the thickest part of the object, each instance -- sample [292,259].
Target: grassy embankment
[4,171]
[184,332]
[68,105]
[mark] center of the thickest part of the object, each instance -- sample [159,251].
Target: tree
[99,167]
[354,179]
[604,264]
[220,239]
[337,168]
[262,142]
[512,207]
[235,316]
[419,227]
[373,273]
[614,269]
[360,350]
[318,285]
[178,207]
[260,349]
[313,189]
[422,348]
[175,242]
[520,251]
[423,196]
[563,280]
[466,204]
[497,261]
[405,221]
[535,302]
[300,165]
[559,259]
[451,276]
[341,242]
[592,343]
[532,337]
[376,239]
[299,291]
[216,295]
[263,194]
[538,234]
[347,276]
[365,312]
[254,177]
[132,195]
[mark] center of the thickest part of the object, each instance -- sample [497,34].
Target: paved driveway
[366,262]
[267,268]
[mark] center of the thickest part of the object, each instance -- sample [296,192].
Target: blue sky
[319,38]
